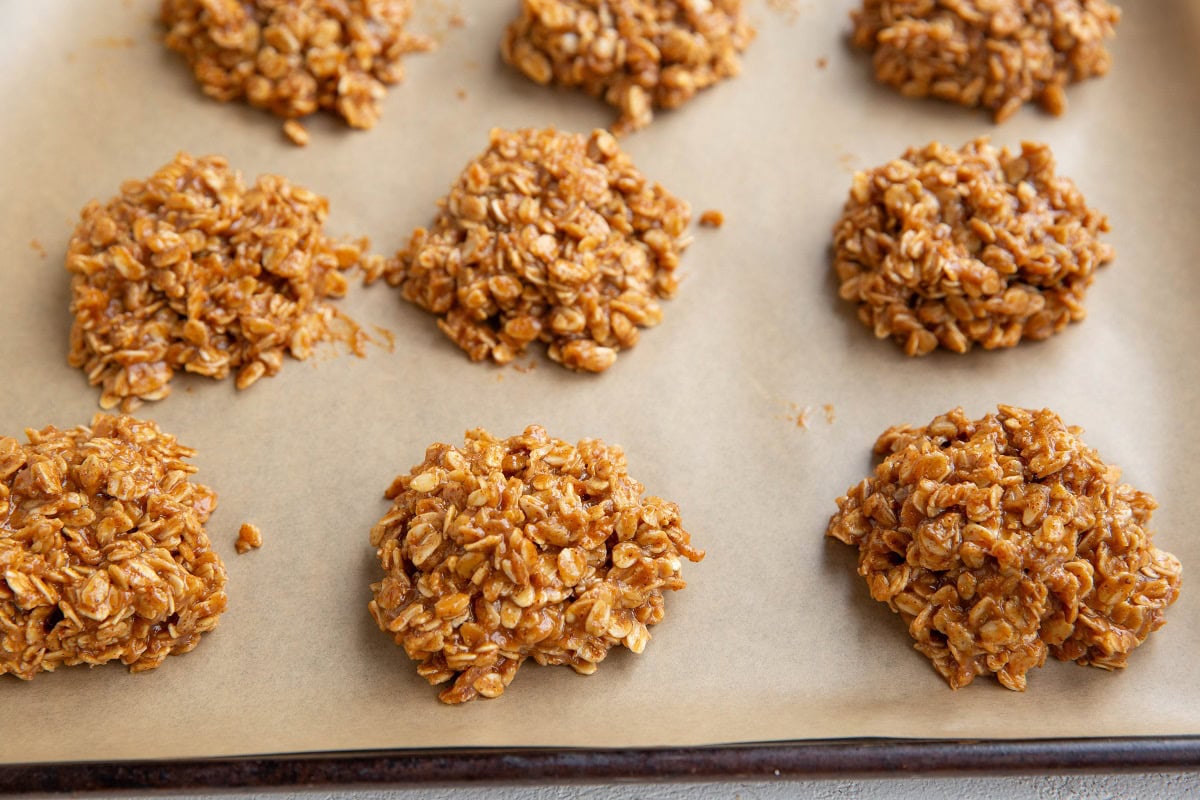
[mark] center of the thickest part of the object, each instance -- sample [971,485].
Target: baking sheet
[776,637]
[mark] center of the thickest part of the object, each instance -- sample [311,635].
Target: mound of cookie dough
[190,270]
[955,248]
[526,547]
[547,236]
[293,57]
[103,553]
[1002,539]
[637,55]
[998,54]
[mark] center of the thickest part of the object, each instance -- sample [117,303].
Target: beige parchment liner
[776,637]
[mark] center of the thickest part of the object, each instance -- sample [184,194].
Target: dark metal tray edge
[818,759]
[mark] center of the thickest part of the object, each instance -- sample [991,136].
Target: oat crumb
[802,416]
[457,20]
[249,538]
[37,247]
[788,9]
[114,42]
[296,132]
[712,219]
[461,94]
[822,62]
[386,340]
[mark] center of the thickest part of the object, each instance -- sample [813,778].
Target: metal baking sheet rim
[756,761]
[520,764]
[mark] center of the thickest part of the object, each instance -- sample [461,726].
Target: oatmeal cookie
[189,270]
[963,247]
[1003,539]
[998,54]
[518,548]
[103,552]
[637,55]
[293,57]
[547,236]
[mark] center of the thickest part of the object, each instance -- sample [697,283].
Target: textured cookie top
[637,55]
[103,552]
[547,236]
[293,57]
[190,270]
[526,547]
[963,247]
[1001,539]
[998,54]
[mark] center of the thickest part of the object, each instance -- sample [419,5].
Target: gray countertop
[1053,787]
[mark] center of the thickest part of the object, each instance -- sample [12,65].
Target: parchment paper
[775,637]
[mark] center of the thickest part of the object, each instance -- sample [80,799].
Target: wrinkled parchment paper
[776,637]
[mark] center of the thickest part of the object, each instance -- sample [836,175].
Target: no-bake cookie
[293,57]
[103,552]
[522,548]
[1004,539]
[976,246]
[998,54]
[190,270]
[552,237]
[637,55]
